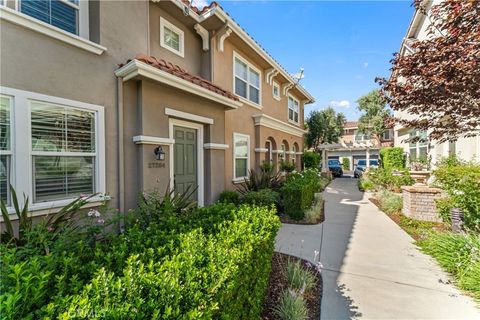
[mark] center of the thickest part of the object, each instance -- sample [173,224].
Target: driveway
[371,267]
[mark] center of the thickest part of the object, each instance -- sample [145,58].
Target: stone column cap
[421,189]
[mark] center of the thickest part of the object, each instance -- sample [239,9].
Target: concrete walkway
[371,268]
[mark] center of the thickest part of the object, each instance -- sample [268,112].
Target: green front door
[185,160]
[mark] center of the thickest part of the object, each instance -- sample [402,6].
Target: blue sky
[343,45]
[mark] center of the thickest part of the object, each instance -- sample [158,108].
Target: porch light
[159,153]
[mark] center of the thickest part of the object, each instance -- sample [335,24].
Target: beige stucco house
[123,97]
[464,148]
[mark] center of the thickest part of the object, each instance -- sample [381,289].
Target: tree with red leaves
[439,81]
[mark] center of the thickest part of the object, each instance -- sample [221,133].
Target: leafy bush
[298,278]
[315,213]
[392,158]
[229,196]
[346,163]
[365,184]
[390,202]
[213,261]
[461,181]
[291,306]
[287,166]
[264,197]
[311,159]
[385,178]
[258,180]
[459,255]
[298,193]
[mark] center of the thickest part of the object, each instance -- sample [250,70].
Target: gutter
[120,155]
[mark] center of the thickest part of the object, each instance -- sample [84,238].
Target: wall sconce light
[159,153]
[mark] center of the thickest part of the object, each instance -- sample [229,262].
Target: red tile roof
[181,73]
[350,124]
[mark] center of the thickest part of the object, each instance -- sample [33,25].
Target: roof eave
[137,68]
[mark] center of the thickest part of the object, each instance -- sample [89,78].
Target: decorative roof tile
[183,74]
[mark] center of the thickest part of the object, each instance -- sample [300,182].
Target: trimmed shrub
[213,262]
[461,181]
[390,202]
[298,193]
[229,196]
[311,159]
[384,178]
[346,163]
[264,197]
[392,158]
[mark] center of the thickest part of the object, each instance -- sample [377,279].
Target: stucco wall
[35,62]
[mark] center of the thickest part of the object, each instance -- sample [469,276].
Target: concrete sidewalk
[371,268]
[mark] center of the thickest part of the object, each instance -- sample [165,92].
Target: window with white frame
[276,90]
[247,80]
[293,109]
[418,149]
[5,148]
[171,37]
[59,147]
[283,151]
[387,135]
[241,153]
[359,136]
[64,14]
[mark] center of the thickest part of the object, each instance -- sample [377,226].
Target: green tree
[324,126]
[374,114]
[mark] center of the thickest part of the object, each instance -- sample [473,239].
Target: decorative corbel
[223,34]
[204,35]
[270,74]
[286,87]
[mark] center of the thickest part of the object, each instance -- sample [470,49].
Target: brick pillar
[419,202]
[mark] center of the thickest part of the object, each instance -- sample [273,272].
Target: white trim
[28,22]
[200,155]
[249,65]
[270,74]
[223,34]
[234,26]
[290,152]
[288,109]
[298,153]
[181,37]
[277,151]
[153,140]
[241,135]
[203,33]
[270,122]
[286,88]
[261,149]
[137,68]
[276,85]
[21,136]
[249,103]
[188,116]
[215,146]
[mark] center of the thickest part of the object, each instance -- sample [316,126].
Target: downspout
[120,159]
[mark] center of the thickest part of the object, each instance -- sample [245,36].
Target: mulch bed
[278,283]
[286,219]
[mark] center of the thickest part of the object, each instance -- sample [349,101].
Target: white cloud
[365,64]
[340,104]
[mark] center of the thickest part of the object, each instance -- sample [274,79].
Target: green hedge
[392,158]
[346,163]
[263,197]
[213,263]
[311,159]
[298,193]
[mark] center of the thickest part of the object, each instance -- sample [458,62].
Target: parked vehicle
[362,166]
[335,167]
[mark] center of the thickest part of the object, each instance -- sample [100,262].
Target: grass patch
[299,278]
[291,306]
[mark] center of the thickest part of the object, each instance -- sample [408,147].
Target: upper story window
[293,109]
[59,153]
[361,136]
[247,80]
[387,135]
[64,14]
[171,37]
[276,90]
